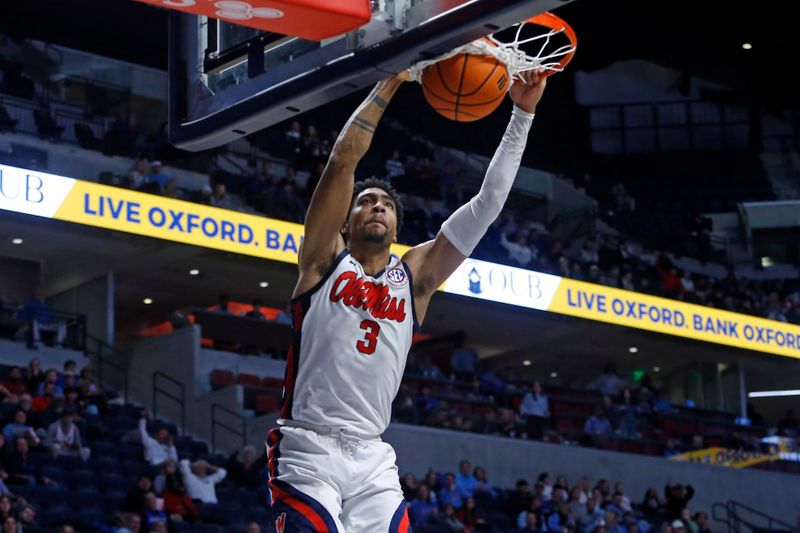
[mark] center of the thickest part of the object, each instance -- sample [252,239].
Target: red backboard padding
[310,19]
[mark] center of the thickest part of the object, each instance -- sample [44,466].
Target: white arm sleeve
[465,228]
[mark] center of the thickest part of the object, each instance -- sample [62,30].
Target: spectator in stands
[256,312]
[40,318]
[520,499]
[585,489]
[593,516]
[46,127]
[608,383]
[519,253]
[157,179]
[152,511]
[134,501]
[252,527]
[671,448]
[531,524]
[34,374]
[464,360]
[588,254]
[423,509]
[158,449]
[220,197]
[137,177]
[598,424]
[223,302]
[22,469]
[450,493]
[465,480]
[703,526]
[534,507]
[64,437]
[677,497]
[536,408]
[13,386]
[482,485]
[473,518]
[131,523]
[625,502]
[409,486]
[560,521]
[245,469]
[6,507]
[200,479]
[652,504]
[428,369]
[42,402]
[168,468]
[10,525]
[6,122]
[20,428]
[626,414]
[27,520]
[450,521]
[171,190]
[394,168]
[51,377]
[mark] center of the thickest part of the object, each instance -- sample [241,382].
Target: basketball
[465,87]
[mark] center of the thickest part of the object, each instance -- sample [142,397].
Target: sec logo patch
[397,277]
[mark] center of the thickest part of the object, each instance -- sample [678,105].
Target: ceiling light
[747,46]
[633,349]
[147,301]
[527,362]
[656,369]
[194,272]
[553,374]
[17,241]
[774,393]
[264,284]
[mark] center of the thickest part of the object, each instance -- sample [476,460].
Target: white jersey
[352,333]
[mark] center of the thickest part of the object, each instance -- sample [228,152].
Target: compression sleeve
[465,228]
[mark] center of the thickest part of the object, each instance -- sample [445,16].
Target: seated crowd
[466,502]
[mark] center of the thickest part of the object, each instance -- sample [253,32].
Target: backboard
[227,81]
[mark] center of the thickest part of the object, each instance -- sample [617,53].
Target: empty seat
[221,379]
[249,379]
[272,383]
[266,403]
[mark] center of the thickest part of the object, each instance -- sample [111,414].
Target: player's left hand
[526,93]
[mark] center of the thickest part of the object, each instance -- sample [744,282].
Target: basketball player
[354,310]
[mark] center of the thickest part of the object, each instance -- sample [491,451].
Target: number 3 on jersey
[370,341]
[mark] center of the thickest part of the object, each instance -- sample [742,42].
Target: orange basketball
[465,87]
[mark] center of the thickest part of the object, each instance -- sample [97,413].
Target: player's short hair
[385,186]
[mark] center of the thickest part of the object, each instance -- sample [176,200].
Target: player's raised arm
[331,199]
[433,262]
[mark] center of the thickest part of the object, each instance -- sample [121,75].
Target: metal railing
[179,399]
[108,357]
[741,518]
[215,423]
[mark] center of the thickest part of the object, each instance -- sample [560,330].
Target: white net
[518,54]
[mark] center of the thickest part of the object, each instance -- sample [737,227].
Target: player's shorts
[329,481]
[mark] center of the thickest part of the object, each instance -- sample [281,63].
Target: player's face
[373,218]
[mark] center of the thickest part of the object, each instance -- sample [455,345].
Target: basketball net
[511,52]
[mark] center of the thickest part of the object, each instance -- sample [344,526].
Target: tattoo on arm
[364,124]
[380,102]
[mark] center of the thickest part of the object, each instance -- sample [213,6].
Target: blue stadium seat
[54,472]
[101,466]
[50,496]
[207,528]
[53,517]
[101,450]
[79,478]
[130,452]
[112,501]
[227,513]
[69,462]
[131,469]
[262,516]
[90,521]
[111,482]
[199,447]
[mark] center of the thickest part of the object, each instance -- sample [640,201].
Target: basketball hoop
[520,52]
